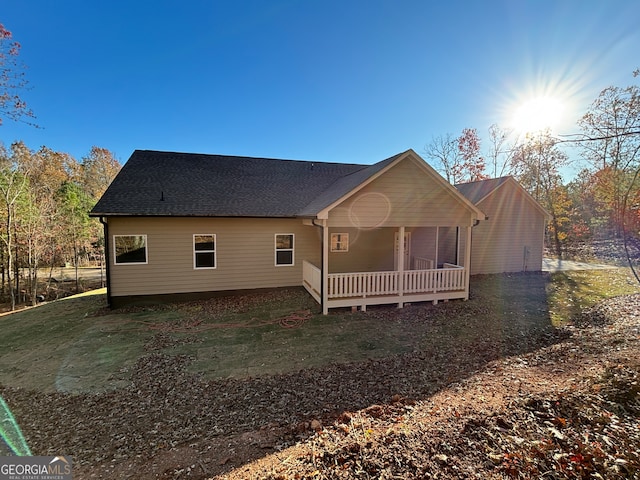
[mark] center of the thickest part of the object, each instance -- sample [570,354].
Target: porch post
[467,262]
[401,265]
[437,240]
[435,264]
[325,268]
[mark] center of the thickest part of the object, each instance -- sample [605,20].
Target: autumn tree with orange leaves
[536,164]
[458,158]
[611,144]
[472,165]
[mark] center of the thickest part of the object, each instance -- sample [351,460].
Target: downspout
[107,261]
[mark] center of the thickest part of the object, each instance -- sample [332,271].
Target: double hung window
[204,250]
[284,249]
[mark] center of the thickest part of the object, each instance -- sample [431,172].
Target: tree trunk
[8,242]
[2,259]
[34,286]
[556,237]
[16,273]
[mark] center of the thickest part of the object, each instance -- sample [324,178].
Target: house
[512,239]
[184,225]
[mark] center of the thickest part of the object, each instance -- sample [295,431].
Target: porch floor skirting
[401,300]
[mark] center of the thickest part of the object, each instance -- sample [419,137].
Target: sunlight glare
[538,114]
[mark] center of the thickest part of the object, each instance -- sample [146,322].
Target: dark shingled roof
[476,191]
[344,185]
[153,183]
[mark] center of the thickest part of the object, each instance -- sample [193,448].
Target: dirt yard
[518,399]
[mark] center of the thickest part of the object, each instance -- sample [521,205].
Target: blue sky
[344,81]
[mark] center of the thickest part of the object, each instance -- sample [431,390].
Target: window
[130,249]
[284,249]
[339,242]
[204,251]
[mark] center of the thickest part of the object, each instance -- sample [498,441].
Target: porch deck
[359,289]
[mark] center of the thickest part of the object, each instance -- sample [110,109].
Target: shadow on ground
[166,406]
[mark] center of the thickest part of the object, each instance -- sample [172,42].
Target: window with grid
[284,249]
[204,250]
[339,242]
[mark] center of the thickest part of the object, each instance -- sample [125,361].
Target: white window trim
[146,249]
[215,254]
[276,250]
[342,243]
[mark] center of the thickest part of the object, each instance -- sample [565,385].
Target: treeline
[601,202]
[45,198]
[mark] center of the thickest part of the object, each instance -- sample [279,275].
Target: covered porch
[392,234]
[376,268]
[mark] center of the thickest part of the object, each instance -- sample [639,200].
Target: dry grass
[77,345]
[177,380]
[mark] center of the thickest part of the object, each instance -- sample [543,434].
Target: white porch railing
[371,288]
[421,263]
[312,279]
[362,284]
[451,265]
[366,284]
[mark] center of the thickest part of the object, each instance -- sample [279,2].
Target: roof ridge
[228,156]
[484,180]
[204,184]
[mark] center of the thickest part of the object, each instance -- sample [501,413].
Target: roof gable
[375,171]
[406,192]
[345,186]
[478,191]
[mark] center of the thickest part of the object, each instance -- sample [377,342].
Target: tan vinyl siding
[423,243]
[498,244]
[404,196]
[245,255]
[369,251]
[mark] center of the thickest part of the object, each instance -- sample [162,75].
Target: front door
[407,251]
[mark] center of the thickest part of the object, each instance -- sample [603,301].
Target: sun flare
[537,114]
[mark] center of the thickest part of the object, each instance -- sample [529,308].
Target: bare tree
[443,150]
[12,187]
[499,152]
[458,159]
[12,80]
